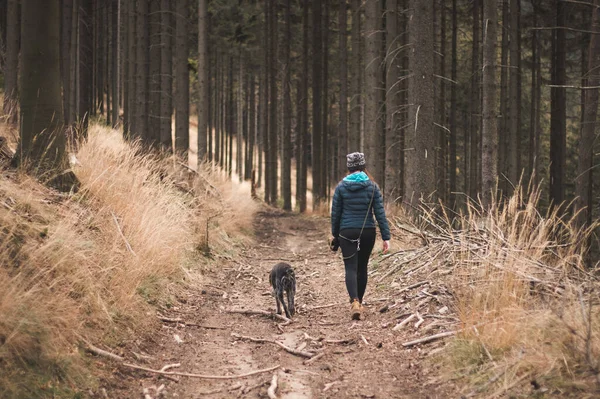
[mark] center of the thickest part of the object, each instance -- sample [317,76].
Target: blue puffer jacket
[351,202]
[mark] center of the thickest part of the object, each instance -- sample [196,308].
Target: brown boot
[356,310]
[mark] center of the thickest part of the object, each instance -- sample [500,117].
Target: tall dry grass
[89,266]
[528,307]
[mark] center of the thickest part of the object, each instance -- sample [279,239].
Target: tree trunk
[239,125]
[182,77]
[273,100]
[266,110]
[303,139]
[421,139]
[453,106]
[42,138]
[534,110]
[85,64]
[65,55]
[116,60]
[166,74]
[142,71]
[317,109]
[443,136]
[513,111]
[11,69]
[489,133]
[203,82]
[558,110]
[475,102]
[343,126]
[356,82]
[393,169]
[101,31]
[583,182]
[286,161]
[154,80]
[131,132]
[373,121]
[503,135]
[325,151]
[251,126]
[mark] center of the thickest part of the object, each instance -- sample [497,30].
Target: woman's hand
[386,246]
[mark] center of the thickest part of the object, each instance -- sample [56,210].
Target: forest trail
[371,364]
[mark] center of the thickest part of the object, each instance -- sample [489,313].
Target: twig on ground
[329,305]
[202,376]
[429,338]
[404,322]
[301,346]
[421,320]
[260,312]
[314,358]
[329,385]
[170,366]
[273,387]
[284,347]
[364,339]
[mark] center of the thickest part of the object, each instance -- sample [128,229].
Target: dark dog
[282,278]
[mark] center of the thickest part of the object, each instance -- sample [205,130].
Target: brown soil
[378,368]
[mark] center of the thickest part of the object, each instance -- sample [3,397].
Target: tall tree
[475,107]
[154,78]
[166,73]
[558,108]
[583,182]
[393,168]
[182,77]
[141,69]
[317,81]
[85,58]
[373,98]
[302,141]
[116,60]
[65,55]
[442,129]
[42,138]
[203,79]
[420,137]
[286,159]
[356,82]
[514,126]
[489,132]
[273,100]
[343,125]
[453,125]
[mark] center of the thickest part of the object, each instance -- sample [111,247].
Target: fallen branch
[181,321]
[273,387]
[170,366]
[404,322]
[100,352]
[429,338]
[421,320]
[260,312]
[329,305]
[284,347]
[203,376]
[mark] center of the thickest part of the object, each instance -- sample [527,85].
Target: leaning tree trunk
[583,183]
[203,82]
[42,138]
[489,133]
[182,77]
[420,137]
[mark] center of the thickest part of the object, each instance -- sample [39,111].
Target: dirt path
[373,365]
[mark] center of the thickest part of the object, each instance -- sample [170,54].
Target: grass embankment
[91,265]
[527,305]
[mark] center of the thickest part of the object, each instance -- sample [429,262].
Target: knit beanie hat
[356,160]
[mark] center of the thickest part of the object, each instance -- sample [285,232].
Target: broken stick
[429,338]
[203,376]
[285,347]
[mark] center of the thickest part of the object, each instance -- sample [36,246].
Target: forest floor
[371,363]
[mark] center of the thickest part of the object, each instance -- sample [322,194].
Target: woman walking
[357,198]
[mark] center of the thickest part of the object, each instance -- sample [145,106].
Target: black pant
[356,261]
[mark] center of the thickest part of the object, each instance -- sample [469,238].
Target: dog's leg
[276,295]
[291,293]
[285,308]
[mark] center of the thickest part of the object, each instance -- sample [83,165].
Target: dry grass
[90,265]
[527,305]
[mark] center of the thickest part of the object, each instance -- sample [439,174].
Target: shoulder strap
[368,209]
